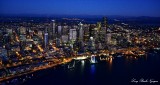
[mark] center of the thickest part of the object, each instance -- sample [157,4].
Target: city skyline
[79,42]
[81,7]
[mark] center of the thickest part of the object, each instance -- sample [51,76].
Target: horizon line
[53,15]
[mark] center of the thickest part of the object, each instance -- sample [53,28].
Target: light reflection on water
[110,63]
[82,66]
[93,69]
[92,72]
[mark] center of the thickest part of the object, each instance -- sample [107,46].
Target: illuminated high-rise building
[91,44]
[54,26]
[80,43]
[80,32]
[53,30]
[59,30]
[104,25]
[86,33]
[98,31]
[91,30]
[46,40]
[72,34]
[65,30]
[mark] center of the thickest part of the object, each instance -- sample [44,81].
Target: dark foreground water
[116,71]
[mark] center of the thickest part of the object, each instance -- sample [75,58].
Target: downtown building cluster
[27,45]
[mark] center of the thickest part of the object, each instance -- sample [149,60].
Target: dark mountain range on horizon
[134,20]
[73,16]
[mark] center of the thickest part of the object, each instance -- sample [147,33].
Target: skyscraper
[98,31]
[80,32]
[86,33]
[72,34]
[59,30]
[91,30]
[46,40]
[54,26]
[91,44]
[53,30]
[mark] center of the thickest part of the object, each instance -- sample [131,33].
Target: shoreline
[34,70]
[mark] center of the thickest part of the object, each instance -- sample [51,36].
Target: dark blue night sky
[82,7]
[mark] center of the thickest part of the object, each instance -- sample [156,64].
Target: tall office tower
[64,34]
[72,34]
[53,29]
[91,30]
[80,32]
[98,31]
[49,31]
[59,31]
[102,30]
[46,41]
[65,30]
[50,34]
[86,34]
[91,44]
[72,37]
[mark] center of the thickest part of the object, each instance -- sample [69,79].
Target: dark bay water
[116,71]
